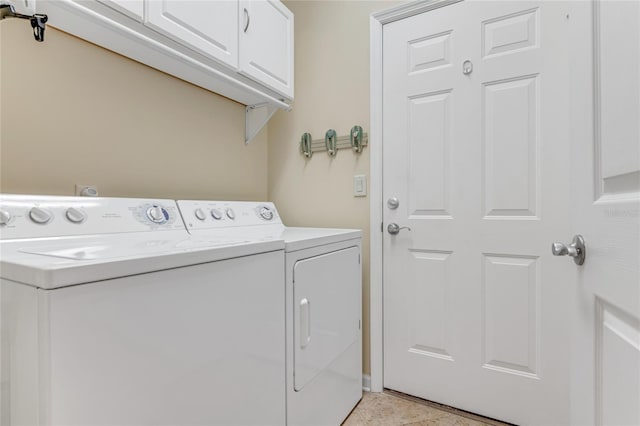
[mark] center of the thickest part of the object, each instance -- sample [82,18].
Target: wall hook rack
[356,140]
[38,20]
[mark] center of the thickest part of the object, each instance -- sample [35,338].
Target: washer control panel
[199,214]
[157,214]
[32,216]
[266,213]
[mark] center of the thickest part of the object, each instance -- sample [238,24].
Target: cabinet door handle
[305,323]
[247,19]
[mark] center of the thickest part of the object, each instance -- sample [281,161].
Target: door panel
[474,309]
[617,107]
[429,170]
[429,322]
[510,145]
[605,72]
[510,314]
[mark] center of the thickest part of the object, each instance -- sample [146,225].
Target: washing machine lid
[58,262]
[299,238]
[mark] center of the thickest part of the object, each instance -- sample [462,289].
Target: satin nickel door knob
[394,228]
[576,249]
[393,203]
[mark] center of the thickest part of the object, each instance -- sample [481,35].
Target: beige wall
[75,113]
[332,91]
[133,131]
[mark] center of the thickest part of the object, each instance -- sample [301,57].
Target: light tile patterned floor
[386,409]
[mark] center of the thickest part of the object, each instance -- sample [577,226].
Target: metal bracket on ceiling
[37,20]
[256,116]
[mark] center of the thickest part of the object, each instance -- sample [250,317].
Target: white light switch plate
[359,185]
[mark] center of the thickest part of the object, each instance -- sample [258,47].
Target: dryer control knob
[157,214]
[200,214]
[215,213]
[231,214]
[39,215]
[75,215]
[5,217]
[266,213]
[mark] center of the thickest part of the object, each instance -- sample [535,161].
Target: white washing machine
[112,314]
[323,289]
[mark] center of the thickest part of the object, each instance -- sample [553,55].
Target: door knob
[393,203]
[576,249]
[394,228]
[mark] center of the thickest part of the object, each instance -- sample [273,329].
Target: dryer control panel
[34,216]
[200,214]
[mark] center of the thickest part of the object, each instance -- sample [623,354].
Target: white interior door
[605,73]
[475,306]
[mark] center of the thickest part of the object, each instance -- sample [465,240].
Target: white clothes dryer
[112,314]
[323,288]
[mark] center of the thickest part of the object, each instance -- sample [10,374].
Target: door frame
[376,22]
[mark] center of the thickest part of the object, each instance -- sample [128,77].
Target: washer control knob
[266,213]
[157,214]
[231,214]
[39,215]
[75,215]
[215,213]
[5,217]
[200,214]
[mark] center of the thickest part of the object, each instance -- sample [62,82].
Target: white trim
[366,383]
[407,10]
[376,22]
[375,146]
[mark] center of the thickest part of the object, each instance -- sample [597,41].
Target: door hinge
[381,226]
[358,259]
[359,324]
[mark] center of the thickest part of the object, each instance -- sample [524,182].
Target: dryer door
[327,299]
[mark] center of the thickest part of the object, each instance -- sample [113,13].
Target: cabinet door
[208,27]
[266,44]
[131,8]
[26,7]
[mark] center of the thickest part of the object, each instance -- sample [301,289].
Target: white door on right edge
[477,154]
[605,100]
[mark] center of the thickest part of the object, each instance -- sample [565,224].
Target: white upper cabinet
[266,44]
[240,49]
[132,8]
[208,27]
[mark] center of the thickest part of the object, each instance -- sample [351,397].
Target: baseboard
[366,383]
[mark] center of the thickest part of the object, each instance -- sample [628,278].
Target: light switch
[360,186]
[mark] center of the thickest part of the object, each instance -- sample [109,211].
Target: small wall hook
[356,136]
[305,145]
[330,142]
